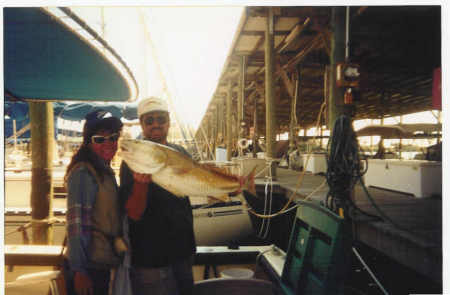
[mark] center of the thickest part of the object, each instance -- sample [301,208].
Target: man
[160,224]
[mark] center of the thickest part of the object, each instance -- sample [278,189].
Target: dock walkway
[415,238]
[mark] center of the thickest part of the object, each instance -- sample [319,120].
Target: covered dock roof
[396,47]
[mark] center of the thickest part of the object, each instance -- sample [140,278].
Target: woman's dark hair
[85,154]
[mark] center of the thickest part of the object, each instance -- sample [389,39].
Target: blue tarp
[44,59]
[73,112]
[77,111]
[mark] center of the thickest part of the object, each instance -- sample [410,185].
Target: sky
[183,48]
[192,44]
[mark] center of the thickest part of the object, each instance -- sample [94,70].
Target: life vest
[106,220]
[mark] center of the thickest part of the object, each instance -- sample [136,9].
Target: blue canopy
[44,59]
[78,111]
[17,110]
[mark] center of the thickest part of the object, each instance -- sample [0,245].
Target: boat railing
[23,228]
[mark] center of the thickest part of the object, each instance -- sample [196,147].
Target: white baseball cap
[151,104]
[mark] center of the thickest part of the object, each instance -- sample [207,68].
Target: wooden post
[371,139]
[229,121]
[219,122]
[336,105]
[293,119]
[255,126]
[336,97]
[220,118]
[240,111]
[42,132]
[15,135]
[381,138]
[208,137]
[321,136]
[270,99]
[400,144]
[224,120]
[215,131]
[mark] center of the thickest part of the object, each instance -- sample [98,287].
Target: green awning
[44,59]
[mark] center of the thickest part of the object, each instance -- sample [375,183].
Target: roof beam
[315,43]
[293,34]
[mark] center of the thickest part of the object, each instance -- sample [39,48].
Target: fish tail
[249,183]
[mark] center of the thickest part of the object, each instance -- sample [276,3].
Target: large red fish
[178,173]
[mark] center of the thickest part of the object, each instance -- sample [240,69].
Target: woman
[93,217]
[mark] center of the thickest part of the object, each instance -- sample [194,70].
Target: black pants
[175,279]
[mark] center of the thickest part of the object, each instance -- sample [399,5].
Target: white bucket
[237,273]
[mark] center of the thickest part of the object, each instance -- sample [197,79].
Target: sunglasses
[101,139]
[160,119]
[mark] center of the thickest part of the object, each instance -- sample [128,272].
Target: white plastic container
[417,177]
[221,154]
[317,163]
[237,273]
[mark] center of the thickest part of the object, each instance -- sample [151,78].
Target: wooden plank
[46,255]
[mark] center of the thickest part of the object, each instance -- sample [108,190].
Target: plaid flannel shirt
[82,190]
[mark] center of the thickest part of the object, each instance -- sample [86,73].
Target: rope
[266,222]
[299,183]
[307,197]
[208,143]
